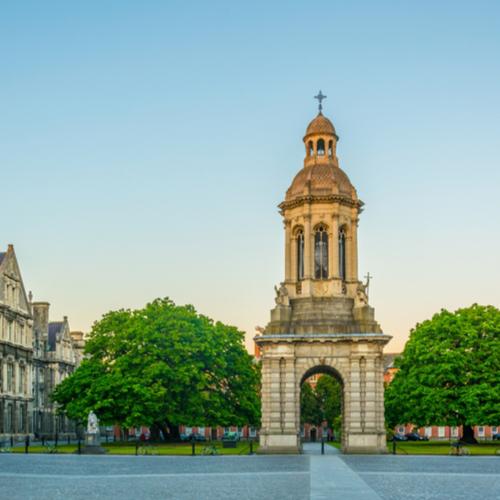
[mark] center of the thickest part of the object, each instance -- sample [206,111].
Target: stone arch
[314,366]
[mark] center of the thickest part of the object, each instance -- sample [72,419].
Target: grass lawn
[335,444]
[441,448]
[242,448]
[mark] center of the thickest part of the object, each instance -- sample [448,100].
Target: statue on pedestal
[92,423]
[281,298]
[93,436]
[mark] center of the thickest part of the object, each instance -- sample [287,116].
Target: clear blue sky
[144,147]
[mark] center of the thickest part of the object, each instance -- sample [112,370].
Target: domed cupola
[320,139]
[321,176]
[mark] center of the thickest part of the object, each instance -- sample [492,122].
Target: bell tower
[322,320]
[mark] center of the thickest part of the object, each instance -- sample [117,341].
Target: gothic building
[322,322]
[16,349]
[55,356]
[35,355]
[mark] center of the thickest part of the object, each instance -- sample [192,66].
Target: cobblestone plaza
[294,477]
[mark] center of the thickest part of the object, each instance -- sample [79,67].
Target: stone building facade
[322,322]
[16,350]
[55,356]
[35,355]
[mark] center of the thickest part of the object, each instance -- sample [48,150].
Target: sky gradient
[145,146]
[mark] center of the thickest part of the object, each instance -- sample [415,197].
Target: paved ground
[332,476]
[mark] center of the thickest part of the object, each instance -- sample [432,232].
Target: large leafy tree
[449,372]
[162,366]
[321,403]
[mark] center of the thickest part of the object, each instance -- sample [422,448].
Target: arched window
[310,149]
[330,149]
[300,255]
[320,147]
[342,254]
[321,253]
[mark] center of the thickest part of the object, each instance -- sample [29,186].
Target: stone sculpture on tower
[322,322]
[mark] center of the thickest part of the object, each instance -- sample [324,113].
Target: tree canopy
[449,372]
[162,366]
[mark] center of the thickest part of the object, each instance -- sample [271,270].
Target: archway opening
[321,405]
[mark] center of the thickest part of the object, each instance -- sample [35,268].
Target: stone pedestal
[93,444]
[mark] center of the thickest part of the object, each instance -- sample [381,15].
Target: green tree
[449,372]
[162,366]
[323,403]
[329,394]
[310,411]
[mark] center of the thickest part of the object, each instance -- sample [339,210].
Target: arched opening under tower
[321,405]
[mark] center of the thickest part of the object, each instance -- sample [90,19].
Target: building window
[441,432]
[310,149]
[320,147]
[454,431]
[300,255]
[321,253]
[21,419]
[428,431]
[480,431]
[330,149]
[22,378]
[10,377]
[342,254]
[494,430]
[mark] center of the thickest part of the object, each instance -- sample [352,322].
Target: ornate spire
[320,97]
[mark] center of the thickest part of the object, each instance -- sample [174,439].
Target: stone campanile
[322,322]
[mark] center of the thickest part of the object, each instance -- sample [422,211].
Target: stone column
[308,248]
[333,248]
[288,256]
[354,250]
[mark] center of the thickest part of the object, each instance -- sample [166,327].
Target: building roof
[55,328]
[321,179]
[320,125]
[389,359]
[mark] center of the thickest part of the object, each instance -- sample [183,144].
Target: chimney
[41,319]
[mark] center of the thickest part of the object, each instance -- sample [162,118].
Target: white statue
[92,423]
[281,298]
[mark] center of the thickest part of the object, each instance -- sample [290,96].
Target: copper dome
[321,179]
[321,125]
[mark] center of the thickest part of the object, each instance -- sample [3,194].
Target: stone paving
[299,477]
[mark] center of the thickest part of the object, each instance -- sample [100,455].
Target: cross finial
[320,97]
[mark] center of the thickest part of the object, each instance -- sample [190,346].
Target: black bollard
[393,446]
[26,444]
[136,448]
[251,447]
[69,439]
[43,440]
[193,451]
[11,441]
[322,446]
[79,447]
[57,439]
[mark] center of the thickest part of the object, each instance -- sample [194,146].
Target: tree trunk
[468,435]
[173,432]
[159,431]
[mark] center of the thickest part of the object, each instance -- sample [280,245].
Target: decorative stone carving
[281,298]
[92,423]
